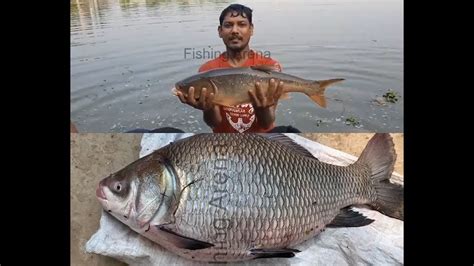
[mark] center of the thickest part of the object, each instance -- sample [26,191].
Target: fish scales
[238,176]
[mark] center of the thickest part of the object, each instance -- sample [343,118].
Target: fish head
[183,87]
[197,84]
[140,194]
[179,86]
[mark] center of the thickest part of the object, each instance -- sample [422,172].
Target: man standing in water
[235,29]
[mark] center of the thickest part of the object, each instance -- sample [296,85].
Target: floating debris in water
[352,121]
[391,96]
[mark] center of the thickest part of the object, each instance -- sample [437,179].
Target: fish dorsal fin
[182,241]
[283,139]
[265,68]
[349,218]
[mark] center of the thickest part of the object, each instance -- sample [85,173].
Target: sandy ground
[96,155]
[93,157]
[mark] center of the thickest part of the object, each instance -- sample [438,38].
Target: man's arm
[212,116]
[265,116]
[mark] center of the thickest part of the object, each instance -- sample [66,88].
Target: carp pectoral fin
[349,218]
[274,253]
[183,241]
[225,104]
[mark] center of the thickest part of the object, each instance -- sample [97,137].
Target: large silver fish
[231,85]
[233,197]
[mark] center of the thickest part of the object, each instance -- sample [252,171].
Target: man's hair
[241,10]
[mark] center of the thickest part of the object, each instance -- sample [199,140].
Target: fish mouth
[174,91]
[99,192]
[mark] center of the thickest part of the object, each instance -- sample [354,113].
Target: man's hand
[261,100]
[211,111]
[204,103]
[264,104]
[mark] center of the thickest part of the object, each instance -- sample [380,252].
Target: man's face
[235,31]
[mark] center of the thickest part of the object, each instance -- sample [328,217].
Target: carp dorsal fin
[349,218]
[265,68]
[182,241]
[283,139]
[273,252]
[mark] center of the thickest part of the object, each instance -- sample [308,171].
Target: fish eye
[118,187]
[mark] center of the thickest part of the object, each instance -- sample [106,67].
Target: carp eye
[118,187]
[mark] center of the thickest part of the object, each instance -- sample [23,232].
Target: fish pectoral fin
[182,241]
[223,104]
[349,218]
[273,252]
[265,68]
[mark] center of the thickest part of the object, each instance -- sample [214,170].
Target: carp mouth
[99,192]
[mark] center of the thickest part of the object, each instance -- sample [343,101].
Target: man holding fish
[239,90]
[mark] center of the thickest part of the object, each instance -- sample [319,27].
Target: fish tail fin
[317,88]
[379,155]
